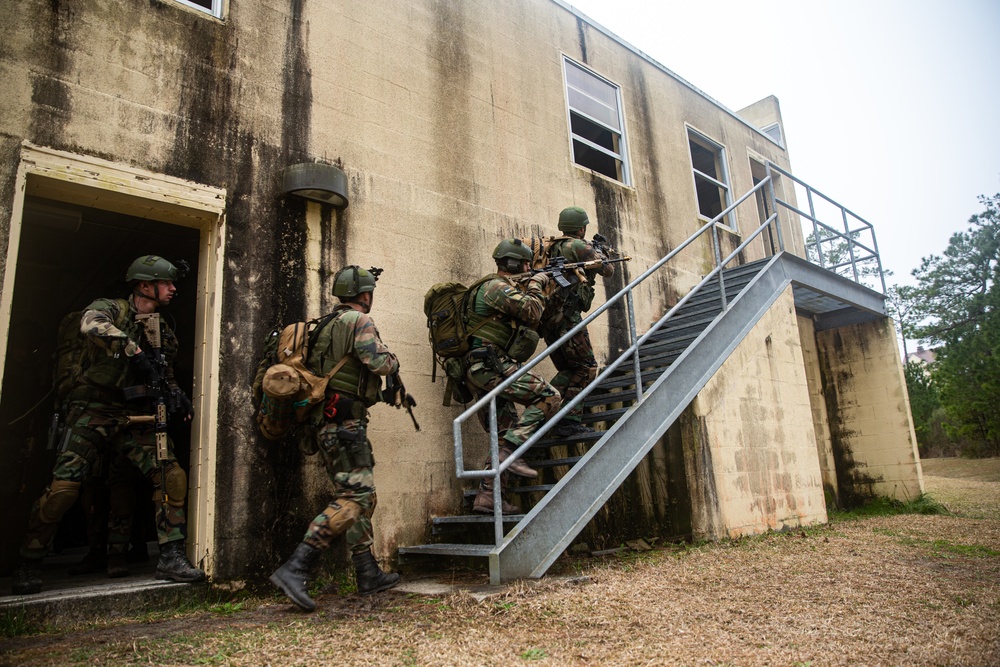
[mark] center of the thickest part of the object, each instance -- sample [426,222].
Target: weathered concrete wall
[874,448]
[817,399]
[449,119]
[750,446]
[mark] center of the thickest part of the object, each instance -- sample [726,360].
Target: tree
[924,402]
[900,305]
[957,301]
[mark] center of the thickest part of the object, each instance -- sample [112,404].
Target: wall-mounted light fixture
[318,182]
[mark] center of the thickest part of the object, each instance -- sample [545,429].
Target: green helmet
[572,219]
[152,267]
[353,280]
[514,249]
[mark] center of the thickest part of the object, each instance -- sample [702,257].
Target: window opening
[711,179]
[595,122]
[774,131]
[213,7]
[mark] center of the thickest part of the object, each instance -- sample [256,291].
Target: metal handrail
[497,468]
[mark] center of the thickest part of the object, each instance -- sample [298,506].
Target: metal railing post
[495,464]
[630,306]
[774,207]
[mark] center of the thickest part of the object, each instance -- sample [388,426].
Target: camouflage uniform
[97,422]
[501,299]
[342,435]
[575,359]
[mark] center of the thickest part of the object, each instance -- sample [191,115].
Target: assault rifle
[557,267]
[156,385]
[395,394]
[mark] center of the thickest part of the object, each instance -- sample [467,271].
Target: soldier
[499,313]
[346,340]
[110,392]
[575,360]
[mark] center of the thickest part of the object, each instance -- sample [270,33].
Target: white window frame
[721,163]
[774,132]
[215,10]
[621,157]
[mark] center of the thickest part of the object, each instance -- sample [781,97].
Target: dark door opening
[68,256]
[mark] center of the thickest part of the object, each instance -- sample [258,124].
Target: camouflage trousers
[96,428]
[109,502]
[575,362]
[541,400]
[347,455]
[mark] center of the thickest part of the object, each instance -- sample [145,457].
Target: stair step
[473,518]
[603,416]
[477,550]
[583,437]
[513,488]
[552,463]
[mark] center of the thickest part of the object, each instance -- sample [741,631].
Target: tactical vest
[495,327]
[335,341]
[108,367]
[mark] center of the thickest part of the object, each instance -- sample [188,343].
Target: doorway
[764,209]
[71,241]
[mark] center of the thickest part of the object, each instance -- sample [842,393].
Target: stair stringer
[531,547]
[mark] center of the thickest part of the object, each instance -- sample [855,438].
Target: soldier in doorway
[110,405]
[347,344]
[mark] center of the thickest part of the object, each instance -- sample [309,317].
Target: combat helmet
[572,219]
[154,267]
[513,249]
[352,280]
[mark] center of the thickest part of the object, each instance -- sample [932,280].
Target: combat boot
[371,578]
[518,467]
[27,577]
[94,560]
[174,565]
[568,429]
[117,566]
[293,577]
[484,503]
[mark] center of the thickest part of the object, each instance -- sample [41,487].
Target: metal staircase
[642,392]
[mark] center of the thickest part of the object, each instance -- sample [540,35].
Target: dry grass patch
[889,590]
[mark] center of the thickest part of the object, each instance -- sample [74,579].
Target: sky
[890,107]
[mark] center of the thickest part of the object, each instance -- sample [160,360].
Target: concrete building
[175,127]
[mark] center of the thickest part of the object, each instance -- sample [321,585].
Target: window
[711,181]
[774,131]
[595,123]
[213,7]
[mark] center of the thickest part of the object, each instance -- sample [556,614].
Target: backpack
[445,305]
[541,249]
[71,355]
[285,388]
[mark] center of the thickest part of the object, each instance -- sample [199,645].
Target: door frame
[101,184]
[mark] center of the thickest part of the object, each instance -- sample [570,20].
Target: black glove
[182,405]
[145,368]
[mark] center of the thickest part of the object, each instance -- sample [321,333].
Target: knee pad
[57,500]
[175,485]
[341,516]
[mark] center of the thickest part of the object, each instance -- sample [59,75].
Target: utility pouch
[338,408]
[523,344]
[356,447]
[136,392]
[456,388]
[306,438]
[585,293]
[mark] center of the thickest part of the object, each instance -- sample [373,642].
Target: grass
[888,583]
[881,506]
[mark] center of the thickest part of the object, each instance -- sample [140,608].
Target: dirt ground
[890,590]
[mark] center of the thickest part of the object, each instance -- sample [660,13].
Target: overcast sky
[890,107]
